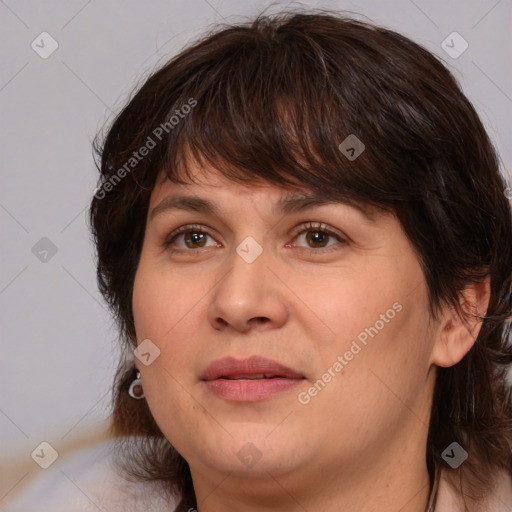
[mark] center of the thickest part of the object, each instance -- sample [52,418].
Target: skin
[361,440]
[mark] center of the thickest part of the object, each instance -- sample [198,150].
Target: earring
[135,390]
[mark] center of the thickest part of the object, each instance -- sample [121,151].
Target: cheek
[369,330]
[164,301]
[167,306]
[164,310]
[337,309]
[366,389]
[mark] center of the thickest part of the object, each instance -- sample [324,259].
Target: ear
[460,325]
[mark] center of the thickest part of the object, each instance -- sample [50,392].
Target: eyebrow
[284,206]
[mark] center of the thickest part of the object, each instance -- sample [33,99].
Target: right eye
[192,237]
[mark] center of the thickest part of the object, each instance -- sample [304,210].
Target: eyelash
[310,226]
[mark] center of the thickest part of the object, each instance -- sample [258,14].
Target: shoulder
[88,481]
[498,500]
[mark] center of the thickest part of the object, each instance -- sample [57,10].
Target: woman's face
[293,337]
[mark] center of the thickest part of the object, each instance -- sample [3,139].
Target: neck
[398,482]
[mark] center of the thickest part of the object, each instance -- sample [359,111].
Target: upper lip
[229,367]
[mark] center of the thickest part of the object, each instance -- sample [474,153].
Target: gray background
[58,340]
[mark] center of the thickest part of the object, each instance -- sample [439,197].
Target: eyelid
[319,226]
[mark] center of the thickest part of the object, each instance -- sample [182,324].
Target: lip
[220,377]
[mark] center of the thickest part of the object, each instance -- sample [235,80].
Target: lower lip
[250,390]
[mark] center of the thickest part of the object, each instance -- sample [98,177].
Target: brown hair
[272,100]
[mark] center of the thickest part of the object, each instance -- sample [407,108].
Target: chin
[251,450]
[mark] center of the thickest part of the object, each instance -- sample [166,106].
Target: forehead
[194,175]
[212,181]
[210,192]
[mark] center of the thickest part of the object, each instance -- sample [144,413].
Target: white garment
[499,500]
[88,482]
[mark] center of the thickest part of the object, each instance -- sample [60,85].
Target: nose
[248,296]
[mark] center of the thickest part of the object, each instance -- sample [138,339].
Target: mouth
[249,380]
[253,377]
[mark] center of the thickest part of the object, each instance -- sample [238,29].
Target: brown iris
[317,238]
[194,237]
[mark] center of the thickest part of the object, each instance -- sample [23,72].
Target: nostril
[259,320]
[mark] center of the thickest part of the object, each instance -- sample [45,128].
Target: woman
[304,236]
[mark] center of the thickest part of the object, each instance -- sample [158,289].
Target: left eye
[318,236]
